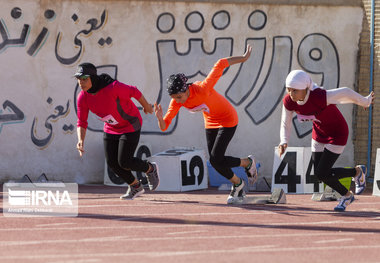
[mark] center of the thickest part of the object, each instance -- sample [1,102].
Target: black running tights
[119,150]
[217,143]
[323,162]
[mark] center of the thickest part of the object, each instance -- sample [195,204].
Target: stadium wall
[141,43]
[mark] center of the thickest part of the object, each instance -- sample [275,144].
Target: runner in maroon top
[330,130]
[112,102]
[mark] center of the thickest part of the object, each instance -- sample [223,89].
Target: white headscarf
[298,79]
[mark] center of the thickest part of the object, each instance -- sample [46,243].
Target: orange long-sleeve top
[217,110]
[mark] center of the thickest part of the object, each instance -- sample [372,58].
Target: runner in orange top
[220,120]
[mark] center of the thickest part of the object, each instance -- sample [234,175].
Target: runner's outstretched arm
[240,59]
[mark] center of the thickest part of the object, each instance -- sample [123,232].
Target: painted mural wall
[141,44]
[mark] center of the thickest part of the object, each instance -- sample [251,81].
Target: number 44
[292,178]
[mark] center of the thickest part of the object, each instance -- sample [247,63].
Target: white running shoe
[133,192]
[251,171]
[153,177]
[237,193]
[344,202]
[360,179]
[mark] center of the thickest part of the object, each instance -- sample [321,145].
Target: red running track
[195,227]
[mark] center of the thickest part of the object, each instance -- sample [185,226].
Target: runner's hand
[282,148]
[158,111]
[372,94]
[148,109]
[247,53]
[80,148]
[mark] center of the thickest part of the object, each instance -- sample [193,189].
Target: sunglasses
[83,77]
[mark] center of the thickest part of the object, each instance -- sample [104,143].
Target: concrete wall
[142,43]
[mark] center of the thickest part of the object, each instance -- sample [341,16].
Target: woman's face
[297,94]
[181,97]
[84,83]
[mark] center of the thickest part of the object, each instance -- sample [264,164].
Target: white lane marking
[55,224]
[186,232]
[144,254]
[85,260]
[78,228]
[131,238]
[199,223]
[333,240]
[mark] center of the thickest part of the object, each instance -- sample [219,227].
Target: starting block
[42,178]
[42,181]
[328,195]
[24,179]
[278,196]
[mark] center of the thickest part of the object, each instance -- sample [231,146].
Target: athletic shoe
[360,179]
[237,193]
[133,192]
[251,170]
[344,202]
[153,177]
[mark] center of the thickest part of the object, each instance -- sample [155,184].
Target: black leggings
[217,143]
[119,150]
[323,162]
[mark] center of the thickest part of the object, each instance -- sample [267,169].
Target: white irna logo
[38,197]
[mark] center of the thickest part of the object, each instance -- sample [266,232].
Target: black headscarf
[99,82]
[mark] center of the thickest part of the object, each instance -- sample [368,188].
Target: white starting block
[277,197]
[42,181]
[293,171]
[376,179]
[143,151]
[328,194]
[181,169]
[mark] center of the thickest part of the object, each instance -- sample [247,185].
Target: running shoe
[153,177]
[133,192]
[251,170]
[360,179]
[237,193]
[344,202]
